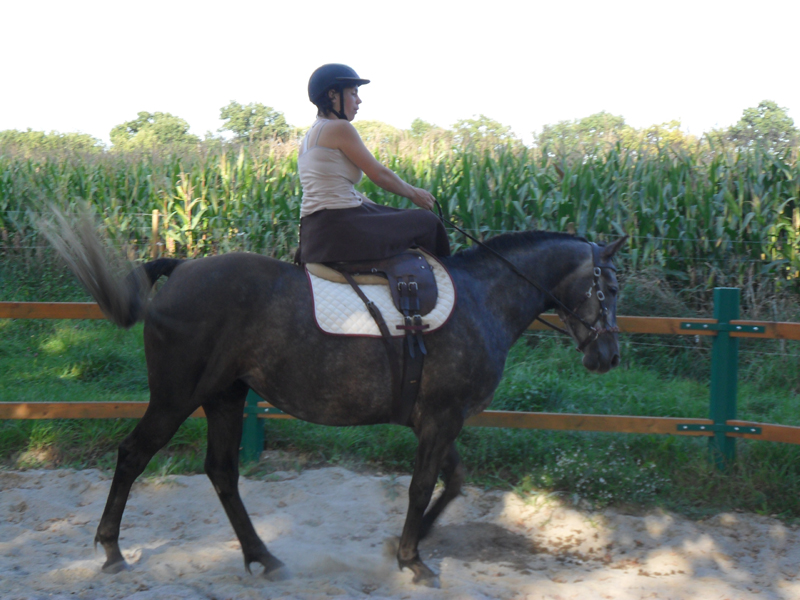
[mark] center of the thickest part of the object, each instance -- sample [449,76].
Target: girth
[413,288]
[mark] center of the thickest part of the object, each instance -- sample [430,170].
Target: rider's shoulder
[339,133]
[341,125]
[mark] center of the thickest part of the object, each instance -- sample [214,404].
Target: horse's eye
[612,290]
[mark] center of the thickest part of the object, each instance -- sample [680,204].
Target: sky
[86,66]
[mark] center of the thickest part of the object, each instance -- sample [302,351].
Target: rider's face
[351,102]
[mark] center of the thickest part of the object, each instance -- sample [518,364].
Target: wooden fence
[721,427]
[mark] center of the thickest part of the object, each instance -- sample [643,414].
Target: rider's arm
[342,135]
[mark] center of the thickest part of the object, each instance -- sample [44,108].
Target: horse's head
[591,296]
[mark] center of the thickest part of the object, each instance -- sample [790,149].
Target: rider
[338,223]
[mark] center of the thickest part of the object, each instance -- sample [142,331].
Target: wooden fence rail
[646,325]
[489,418]
[722,427]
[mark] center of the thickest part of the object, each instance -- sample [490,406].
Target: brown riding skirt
[369,232]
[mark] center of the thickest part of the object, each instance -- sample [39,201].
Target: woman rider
[338,223]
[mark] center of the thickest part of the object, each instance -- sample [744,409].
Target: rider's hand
[423,198]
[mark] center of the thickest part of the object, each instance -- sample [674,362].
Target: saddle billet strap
[412,320]
[412,360]
[415,307]
[405,308]
[405,387]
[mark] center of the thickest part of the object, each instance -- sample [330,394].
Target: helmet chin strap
[340,113]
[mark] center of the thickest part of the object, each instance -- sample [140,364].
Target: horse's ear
[610,250]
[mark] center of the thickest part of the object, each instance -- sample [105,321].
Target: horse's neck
[516,302]
[557,262]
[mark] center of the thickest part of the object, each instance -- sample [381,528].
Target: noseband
[603,313]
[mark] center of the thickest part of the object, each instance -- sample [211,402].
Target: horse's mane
[508,242]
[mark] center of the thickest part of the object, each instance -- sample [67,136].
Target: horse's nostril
[615,361]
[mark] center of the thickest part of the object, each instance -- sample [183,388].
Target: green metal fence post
[253,432]
[724,375]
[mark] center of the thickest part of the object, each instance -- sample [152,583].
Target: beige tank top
[327,176]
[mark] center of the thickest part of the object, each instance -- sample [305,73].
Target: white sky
[87,66]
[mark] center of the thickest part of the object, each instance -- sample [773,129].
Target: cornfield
[703,217]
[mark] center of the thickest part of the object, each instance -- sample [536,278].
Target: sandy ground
[330,527]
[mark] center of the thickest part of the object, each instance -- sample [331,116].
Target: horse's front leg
[453,475]
[434,443]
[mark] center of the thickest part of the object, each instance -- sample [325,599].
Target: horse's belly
[329,401]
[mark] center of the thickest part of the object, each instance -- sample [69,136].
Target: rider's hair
[324,103]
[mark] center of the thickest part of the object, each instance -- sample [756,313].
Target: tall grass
[705,217]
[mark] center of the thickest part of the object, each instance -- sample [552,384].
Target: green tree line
[766,125]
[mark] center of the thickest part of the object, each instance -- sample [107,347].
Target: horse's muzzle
[602,355]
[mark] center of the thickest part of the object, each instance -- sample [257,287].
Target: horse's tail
[130,307]
[122,300]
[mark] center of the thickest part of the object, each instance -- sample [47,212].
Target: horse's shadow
[480,542]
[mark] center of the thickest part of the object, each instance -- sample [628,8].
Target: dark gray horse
[225,324]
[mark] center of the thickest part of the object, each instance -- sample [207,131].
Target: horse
[222,325]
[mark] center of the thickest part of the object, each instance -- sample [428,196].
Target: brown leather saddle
[407,274]
[413,288]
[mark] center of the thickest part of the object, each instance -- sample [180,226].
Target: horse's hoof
[112,568]
[422,574]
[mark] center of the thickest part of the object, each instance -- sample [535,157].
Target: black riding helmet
[332,76]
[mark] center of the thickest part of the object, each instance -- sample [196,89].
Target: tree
[255,122]
[765,125]
[483,131]
[427,137]
[379,136]
[151,130]
[666,135]
[587,134]
[420,128]
[36,141]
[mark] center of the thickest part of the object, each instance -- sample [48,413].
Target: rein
[597,271]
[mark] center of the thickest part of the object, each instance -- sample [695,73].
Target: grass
[62,361]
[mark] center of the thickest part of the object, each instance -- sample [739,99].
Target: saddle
[399,272]
[411,283]
[414,292]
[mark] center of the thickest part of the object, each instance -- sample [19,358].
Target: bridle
[562,309]
[602,313]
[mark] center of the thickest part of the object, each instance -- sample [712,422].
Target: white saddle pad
[339,310]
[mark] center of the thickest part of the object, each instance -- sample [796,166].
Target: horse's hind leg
[453,475]
[152,432]
[224,415]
